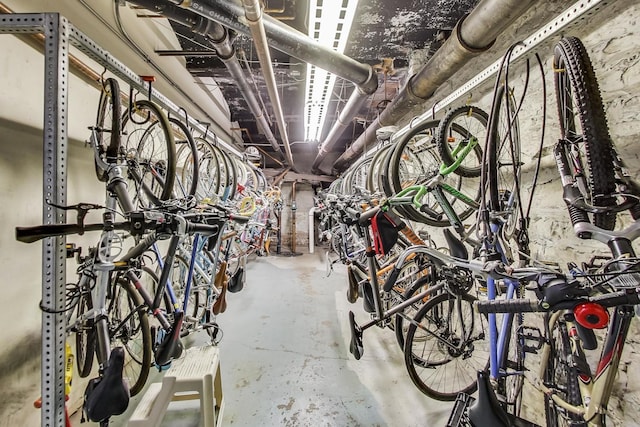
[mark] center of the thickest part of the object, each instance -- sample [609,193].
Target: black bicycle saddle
[486,410]
[456,247]
[109,395]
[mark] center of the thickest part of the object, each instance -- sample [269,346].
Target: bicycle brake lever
[81,208]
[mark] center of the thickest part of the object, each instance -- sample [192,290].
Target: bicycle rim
[209,176]
[583,124]
[150,150]
[187,165]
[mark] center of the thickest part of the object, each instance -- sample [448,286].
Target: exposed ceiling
[394,37]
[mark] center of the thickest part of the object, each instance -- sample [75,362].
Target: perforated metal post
[55,30]
[56,69]
[56,73]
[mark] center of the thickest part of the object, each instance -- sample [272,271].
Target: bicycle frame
[595,390]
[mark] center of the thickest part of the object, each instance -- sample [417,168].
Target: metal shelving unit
[59,34]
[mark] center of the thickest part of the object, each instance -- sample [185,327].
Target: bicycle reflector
[591,315]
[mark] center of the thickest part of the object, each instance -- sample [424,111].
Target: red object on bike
[591,315]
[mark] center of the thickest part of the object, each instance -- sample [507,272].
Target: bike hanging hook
[433,110]
[132,103]
[104,71]
[186,115]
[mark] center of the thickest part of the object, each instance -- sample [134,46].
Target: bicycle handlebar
[140,223]
[39,232]
[519,305]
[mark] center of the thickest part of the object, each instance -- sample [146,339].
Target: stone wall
[612,39]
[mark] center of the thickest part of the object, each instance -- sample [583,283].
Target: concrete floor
[285,357]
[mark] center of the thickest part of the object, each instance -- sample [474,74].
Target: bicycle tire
[504,169]
[150,150]
[108,120]
[129,329]
[561,375]
[187,164]
[85,337]
[435,362]
[575,81]
[459,125]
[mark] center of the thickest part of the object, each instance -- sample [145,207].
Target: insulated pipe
[219,36]
[288,40]
[253,14]
[312,242]
[347,114]
[471,36]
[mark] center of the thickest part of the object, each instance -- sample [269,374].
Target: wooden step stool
[196,375]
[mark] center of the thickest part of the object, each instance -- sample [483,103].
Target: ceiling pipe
[253,13]
[288,40]
[472,35]
[351,108]
[219,37]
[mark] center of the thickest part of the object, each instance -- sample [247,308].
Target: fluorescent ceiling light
[329,24]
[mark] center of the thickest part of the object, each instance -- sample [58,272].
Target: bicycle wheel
[584,126]
[108,125]
[85,337]
[445,352]
[415,161]
[503,171]
[129,329]
[459,128]
[150,151]
[561,376]
[187,165]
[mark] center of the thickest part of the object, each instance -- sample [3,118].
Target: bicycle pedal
[531,337]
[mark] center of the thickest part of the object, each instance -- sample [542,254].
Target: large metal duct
[219,37]
[253,12]
[288,40]
[471,36]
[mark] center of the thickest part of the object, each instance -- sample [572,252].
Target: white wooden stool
[196,375]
